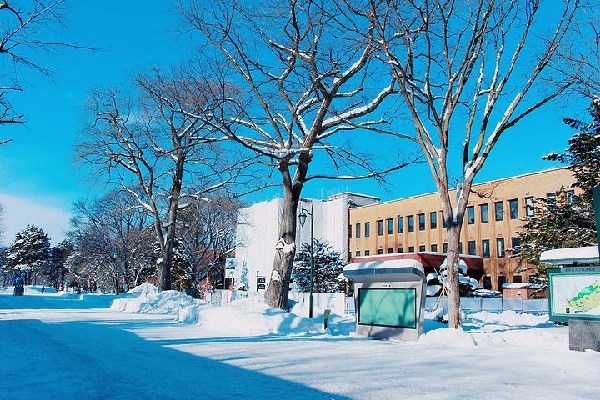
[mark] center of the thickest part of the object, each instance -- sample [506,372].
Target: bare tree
[149,146]
[473,69]
[112,241]
[306,71]
[207,232]
[21,32]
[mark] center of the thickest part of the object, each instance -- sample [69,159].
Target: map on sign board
[575,295]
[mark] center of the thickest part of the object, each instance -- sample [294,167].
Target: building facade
[257,233]
[494,217]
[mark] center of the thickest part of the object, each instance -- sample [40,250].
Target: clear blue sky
[137,35]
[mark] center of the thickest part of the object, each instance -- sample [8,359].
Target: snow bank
[485,319]
[146,299]
[244,317]
[39,289]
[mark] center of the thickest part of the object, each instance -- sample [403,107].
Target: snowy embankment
[252,317]
[174,347]
[245,317]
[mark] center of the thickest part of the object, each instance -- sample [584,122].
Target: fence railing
[339,304]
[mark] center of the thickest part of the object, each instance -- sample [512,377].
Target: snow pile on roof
[567,256]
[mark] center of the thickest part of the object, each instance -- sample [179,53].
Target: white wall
[257,231]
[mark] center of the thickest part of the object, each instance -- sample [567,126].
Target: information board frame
[571,291]
[361,295]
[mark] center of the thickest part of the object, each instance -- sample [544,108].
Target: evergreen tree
[56,268]
[328,266]
[29,253]
[568,220]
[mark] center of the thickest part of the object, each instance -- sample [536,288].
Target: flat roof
[570,256]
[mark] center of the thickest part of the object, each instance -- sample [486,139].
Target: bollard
[326,317]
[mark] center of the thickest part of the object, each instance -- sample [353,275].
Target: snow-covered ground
[147,345]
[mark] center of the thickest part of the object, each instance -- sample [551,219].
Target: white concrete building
[257,232]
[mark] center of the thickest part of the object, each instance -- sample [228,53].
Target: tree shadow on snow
[95,360]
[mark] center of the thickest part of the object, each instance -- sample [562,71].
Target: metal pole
[312,261]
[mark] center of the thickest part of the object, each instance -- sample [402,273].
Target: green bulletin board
[396,308]
[574,293]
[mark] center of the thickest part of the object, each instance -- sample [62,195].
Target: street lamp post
[302,218]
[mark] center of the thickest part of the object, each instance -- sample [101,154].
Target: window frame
[500,248]
[485,217]
[485,245]
[498,211]
[470,215]
[433,220]
[513,208]
[421,221]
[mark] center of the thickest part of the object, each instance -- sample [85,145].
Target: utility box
[389,298]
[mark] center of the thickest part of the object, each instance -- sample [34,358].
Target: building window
[379,251]
[367,229]
[350,231]
[499,211]
[411,223]
[400,224]
[433,220]
[513,207]
[517,279]
[390,250]
[487,282]
[400,250]
[551,200]
[380,227]
[411,249]
[460,248]
[421,222]
[367,252]
[444,222]
[471,248]
[570,196]
[434,248]
[485,248]
[422,248]
[357,253]
[445,247]
[529,210]
[501,281]
[515,244]
[500,247]
[483,208]
[470,215]
[357,230]
[390,226]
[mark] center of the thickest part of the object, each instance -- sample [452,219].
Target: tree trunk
[164,268]
[276,295]
[452,287]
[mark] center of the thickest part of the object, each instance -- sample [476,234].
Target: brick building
[493,218]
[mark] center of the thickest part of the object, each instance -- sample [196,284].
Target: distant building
[257,232]
[358,225]
[493,218]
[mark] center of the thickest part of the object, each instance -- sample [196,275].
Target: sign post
[230,266]
[596,202]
